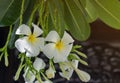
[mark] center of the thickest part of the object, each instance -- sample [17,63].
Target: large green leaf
[91,11]
[109,11]
[10,11]
[76,21]
[56,13]
[4,4]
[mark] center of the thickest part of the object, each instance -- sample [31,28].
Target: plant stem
[21,12]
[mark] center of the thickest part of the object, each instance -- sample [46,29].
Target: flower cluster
[56,49]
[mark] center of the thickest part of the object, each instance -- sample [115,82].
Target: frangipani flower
[29,77]
[30,43]
[38,64]
[50,72]
[57,48]
[68,70]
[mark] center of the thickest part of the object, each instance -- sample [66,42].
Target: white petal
[49,50]
[29,54]
[59,58]
[84,76]
[50,73]
[62,55]
[52,36]
[47,81]
[36,81]
[37,31]
[67,75]
[39,64]
[23,30]
[75,63]
[32,49]
[39,43]
[19,44]
[68,71]
[67,38]
[29,77]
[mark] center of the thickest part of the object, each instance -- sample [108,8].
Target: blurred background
[102,49]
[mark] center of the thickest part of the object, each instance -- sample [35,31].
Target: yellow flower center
[59,45]
[31,38]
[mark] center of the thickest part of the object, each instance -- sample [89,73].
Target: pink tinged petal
[52,36]
[37,31]
[67,38]
[23,30]
[39,64]
[49,50]
[19,44]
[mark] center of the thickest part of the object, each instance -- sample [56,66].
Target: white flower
[57,48]
[50,72]
[84,76]
[31,43]
[68,70]
[29,77]
[39,64]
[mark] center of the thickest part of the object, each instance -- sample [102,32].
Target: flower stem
[21,12]
[32,14]
[44,76]
[39,78]
[4,49]
[19,69]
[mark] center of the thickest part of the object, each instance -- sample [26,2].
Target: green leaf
[10,11]
[76,21]
[51,7]
[4,5]
[83,2]
[56,13]
[91,12]
[108,11]
[61,22]
[75,57]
